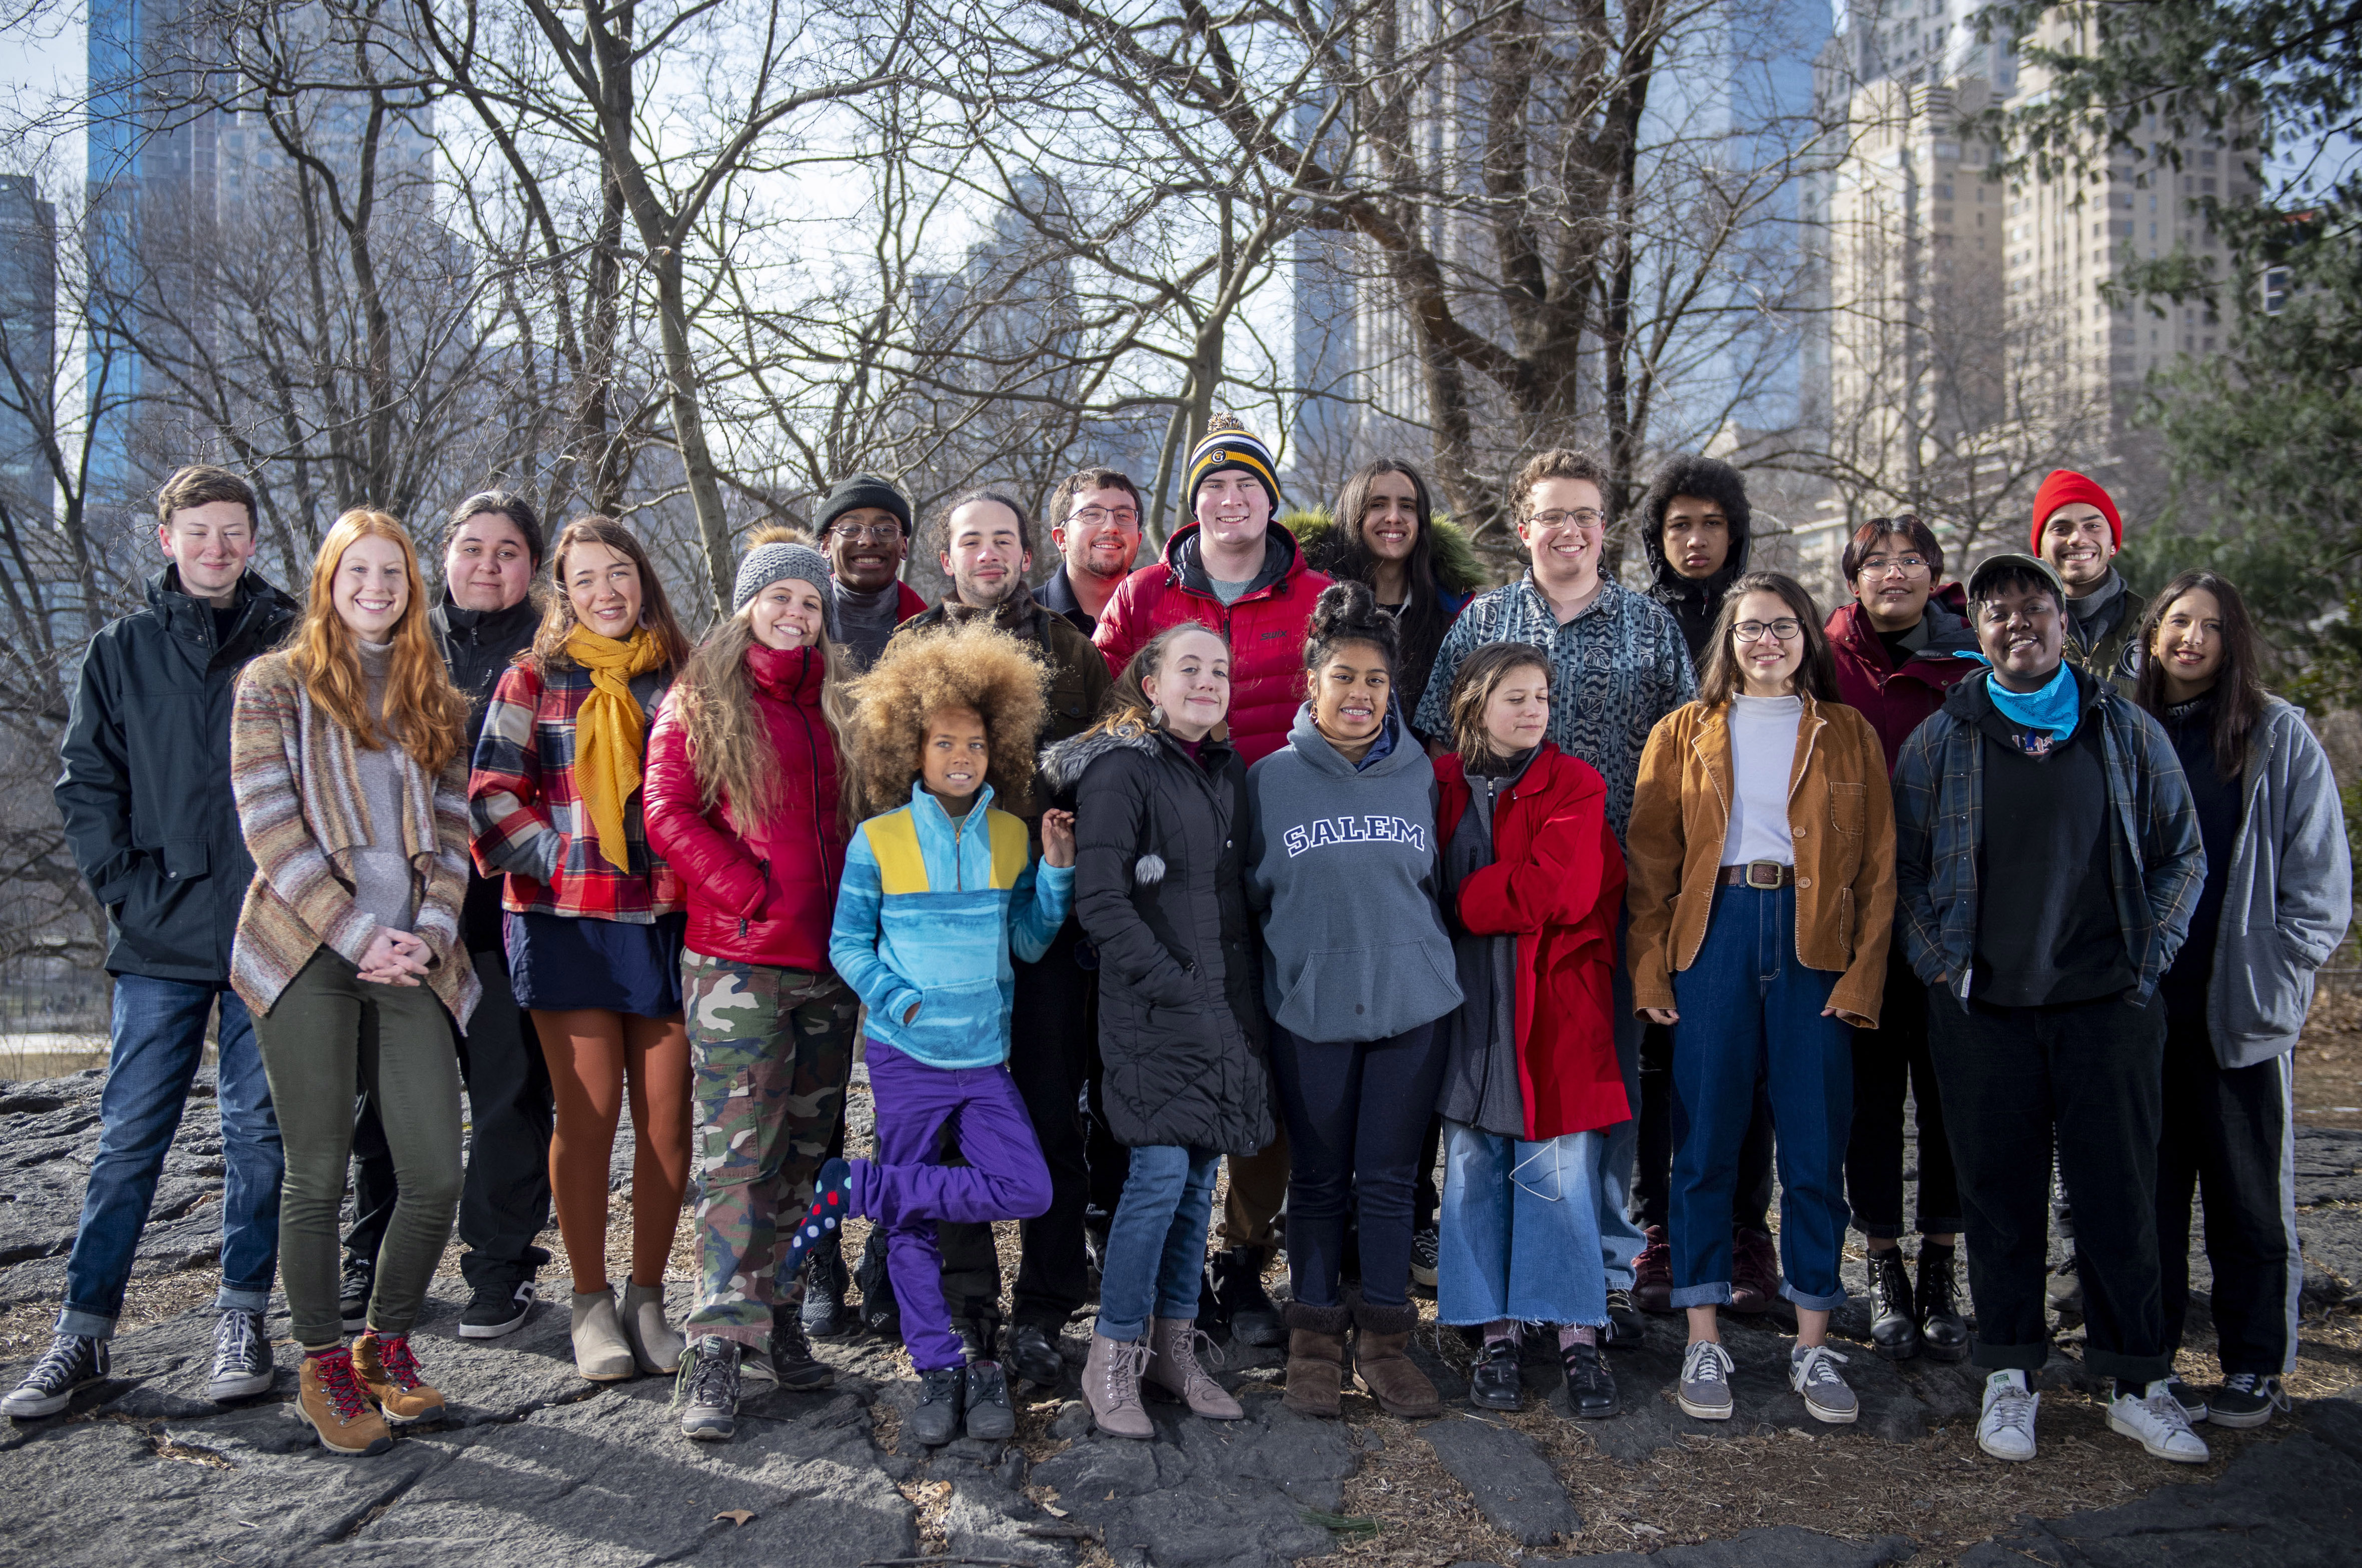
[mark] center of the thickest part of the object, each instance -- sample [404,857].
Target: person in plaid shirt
[595,920]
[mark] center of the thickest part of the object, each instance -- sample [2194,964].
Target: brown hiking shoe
[388,1374]
[1174,1368]
[329,1398]
[1381,1336]
[1111,1387]
[1316,1357]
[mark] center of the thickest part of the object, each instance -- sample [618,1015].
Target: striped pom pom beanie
[1228,445]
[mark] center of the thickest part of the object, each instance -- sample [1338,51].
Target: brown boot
[1381,1335]
[388,1374]
[1174,1366]
[1111,1387]
[327,1395]
[1316,1357]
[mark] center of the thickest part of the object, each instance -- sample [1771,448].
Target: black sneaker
[353,1294]
[2194,1407]
[935,1420]
[1625,1324]
[1590,1387]
[1238,1286]
[1424,1249]
[2246,1400]
[1494,1383]
[881,1314]
[793,1365]
[496,1310]
[707,1388]
[1033,1355]
[242,1365]
[72,1361]
[990,1415]
[823,1312]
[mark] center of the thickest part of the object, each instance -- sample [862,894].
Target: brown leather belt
[1766,874]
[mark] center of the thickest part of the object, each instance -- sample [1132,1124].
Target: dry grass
[2329,1059]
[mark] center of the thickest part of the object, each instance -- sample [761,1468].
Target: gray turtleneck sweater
[864,621]
[382,883]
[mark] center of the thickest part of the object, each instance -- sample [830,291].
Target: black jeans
[1357,1113]
[1652,1186]
[2091,1075]
[2229,1135]
[504,1203]
[1887,1061]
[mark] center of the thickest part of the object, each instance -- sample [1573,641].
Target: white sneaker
[2156,1419]
[2006,1431]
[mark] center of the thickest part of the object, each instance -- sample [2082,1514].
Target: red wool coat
[758,893]
[1557,884]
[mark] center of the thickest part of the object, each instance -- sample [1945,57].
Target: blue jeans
[159,1042]
[1618,1151]
[1156,1243]
[1520,1229]
[1749,1009]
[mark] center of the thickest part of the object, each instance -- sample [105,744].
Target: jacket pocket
[1368,993]
[1848,808]
[952,1018]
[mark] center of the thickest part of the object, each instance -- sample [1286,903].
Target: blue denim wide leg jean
[1156,1242]
[158,1042]
[1520,1229]
[1748,1007]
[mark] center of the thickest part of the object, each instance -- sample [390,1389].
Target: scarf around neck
[2056,708]
[1013,614]
[610,731]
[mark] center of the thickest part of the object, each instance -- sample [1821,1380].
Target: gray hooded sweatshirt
[1342,870]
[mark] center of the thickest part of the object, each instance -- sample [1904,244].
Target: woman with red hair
[348,759]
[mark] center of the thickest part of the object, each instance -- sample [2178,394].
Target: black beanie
[863,490]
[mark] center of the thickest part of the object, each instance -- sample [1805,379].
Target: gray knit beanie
[776,562]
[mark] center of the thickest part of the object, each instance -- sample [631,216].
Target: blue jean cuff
[1108,1328]
[75,1320]
[1715,1295]
[1810,1302]
[242,1299]
[1179,1310]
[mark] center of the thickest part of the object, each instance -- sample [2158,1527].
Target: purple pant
[905,1191]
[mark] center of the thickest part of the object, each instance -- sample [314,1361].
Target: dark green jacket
[2114,654]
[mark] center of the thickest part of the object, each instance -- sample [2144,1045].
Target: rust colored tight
[593,1057]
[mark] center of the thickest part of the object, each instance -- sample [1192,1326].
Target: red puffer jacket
[1897,702]
[1265,627]
[1556,884]
[765,892]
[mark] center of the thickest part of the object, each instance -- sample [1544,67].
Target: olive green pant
[329,1034]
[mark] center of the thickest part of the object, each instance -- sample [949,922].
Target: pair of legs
[1620,1237]
[1520,1231]
[1652,1181]
[158,1042]
[597,1058]
[1157,1245]
[327,1030]
[504,1198]
[771,1050]
[1357,1114]
[1750,1010]
[1888,1062]
[906,1190]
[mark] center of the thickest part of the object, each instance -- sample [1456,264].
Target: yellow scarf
[608,731]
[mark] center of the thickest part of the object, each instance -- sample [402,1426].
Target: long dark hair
[2238,689]
[1421,617]
[1816,677]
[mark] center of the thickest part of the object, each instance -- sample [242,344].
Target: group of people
[1294,857]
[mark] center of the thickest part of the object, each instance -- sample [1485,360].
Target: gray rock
[1250,1529]
[1098,1466]
[1784,1546]
[1516,1487]
[1305,1457]
[1073,1420]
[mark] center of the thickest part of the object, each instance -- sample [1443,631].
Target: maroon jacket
[1896,701]
[762,892]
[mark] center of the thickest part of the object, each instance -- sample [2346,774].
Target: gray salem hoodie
[1342,870]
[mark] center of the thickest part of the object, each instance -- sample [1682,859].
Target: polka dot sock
[831,1202]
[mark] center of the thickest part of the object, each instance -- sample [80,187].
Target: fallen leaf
[735,1515]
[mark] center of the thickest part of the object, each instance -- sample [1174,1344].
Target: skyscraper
[28,312]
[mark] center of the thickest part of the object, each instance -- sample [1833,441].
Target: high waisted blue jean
[1520,1229]
[1748,1007]
[1156,1243]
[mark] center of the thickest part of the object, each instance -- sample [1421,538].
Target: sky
[38,63]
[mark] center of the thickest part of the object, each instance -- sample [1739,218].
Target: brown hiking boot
[329,1398]
[388,1374]
[1174,1368]
[1316,1357]
[1381,1335]
[1111,1387]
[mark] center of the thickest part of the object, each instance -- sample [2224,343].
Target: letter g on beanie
[1227,445]
[2064,486]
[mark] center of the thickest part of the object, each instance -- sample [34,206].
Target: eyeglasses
[1093,516]
[858,533]
[1585,519]
[1786,630]
[1890,566]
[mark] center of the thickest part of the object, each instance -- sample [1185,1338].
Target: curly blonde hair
[975,666]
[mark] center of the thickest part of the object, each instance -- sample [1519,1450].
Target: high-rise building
[28,314]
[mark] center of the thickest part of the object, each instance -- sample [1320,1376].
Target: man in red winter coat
[1233,570]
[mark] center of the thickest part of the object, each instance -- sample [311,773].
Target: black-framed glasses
[1785,628]
[861,533]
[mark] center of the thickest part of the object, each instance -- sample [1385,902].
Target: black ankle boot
[1893,1324]
[1943,1333]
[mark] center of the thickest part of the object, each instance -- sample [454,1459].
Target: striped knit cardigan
[301,807]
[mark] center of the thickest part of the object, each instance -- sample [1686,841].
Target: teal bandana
[2053,711]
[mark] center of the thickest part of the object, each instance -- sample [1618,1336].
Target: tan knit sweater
[301,807]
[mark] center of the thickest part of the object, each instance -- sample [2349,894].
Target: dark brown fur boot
[1381,1335]
[1316,1357]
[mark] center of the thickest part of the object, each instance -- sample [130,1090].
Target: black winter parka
[478,646]
[145,786]
[1160,861]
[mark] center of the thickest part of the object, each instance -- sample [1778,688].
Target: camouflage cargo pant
[772,1049]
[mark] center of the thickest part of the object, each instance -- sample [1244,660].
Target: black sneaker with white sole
[2247,1399]
[496,1308]
[353,1294]
[72,1361]
[242,1364]
[2192,1401]
[1426,1248]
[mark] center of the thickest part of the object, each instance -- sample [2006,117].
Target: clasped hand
[394,958]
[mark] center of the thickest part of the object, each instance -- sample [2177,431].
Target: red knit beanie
[2066,485]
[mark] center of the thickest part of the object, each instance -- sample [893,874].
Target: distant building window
[2276,290]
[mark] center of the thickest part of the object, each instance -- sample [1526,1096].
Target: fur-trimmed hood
[1457,570]
[1064,765]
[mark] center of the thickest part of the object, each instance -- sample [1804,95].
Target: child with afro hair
[940,887]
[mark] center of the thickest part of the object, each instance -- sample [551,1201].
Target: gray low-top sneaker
[1813,1372]
[706,1387]
[1705,1382]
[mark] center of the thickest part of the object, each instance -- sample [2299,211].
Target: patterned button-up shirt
[1616,669]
